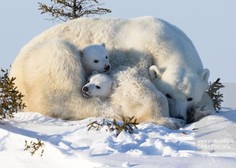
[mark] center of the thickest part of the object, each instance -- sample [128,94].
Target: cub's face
[95,58]
[99,85]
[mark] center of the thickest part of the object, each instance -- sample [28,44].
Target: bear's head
[99,85]
[183,88]
[95,58]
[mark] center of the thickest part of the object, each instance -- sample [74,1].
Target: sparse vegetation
[64,10]
[10,97]
[33,147]
[128,124]
[214,93]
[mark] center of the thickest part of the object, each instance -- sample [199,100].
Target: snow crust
[210,142]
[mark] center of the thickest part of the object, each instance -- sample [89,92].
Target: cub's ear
[205,74]
[103,44]
[154,72]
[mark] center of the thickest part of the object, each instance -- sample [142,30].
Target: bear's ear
[205,74]
[154,72]
[103,44]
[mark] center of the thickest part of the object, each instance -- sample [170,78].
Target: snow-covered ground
[210,142]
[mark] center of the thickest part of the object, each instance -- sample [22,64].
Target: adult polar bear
[140,43]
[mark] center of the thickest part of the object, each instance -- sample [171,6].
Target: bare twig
[33,147]
[128,124]
[64,10]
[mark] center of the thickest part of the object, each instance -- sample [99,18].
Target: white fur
[183,86]
[203,108]
[135,95]
[95,57]
[134,43]
[99,85]
[50,76]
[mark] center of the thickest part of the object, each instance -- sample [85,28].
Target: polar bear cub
[95,57]
[99,85]
[143,101]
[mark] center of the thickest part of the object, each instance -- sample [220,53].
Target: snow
[210,142]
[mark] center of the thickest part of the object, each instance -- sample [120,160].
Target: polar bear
[184,92]
[136,96]
[138,43]
[95,57]
[131,95]
[99,85]
[50,77]
[128,41]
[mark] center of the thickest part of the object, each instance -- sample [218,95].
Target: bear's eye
[189,99]
[168,96]
[95,61]
[106,57]
[98,87]
[88,81]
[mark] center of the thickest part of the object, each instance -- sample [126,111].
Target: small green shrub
[214,93]
[128,124]
[10,97]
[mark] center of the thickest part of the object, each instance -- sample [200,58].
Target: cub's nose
[85,89]
[107,67]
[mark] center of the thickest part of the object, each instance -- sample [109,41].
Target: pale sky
[210,24]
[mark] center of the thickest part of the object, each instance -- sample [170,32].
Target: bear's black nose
[107,67]
[85,89]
